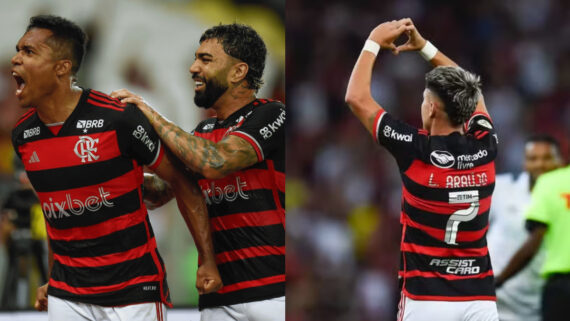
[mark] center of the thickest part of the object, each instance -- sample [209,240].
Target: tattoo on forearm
[197,153]
[156,191]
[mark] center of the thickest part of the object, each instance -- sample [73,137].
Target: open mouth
[20,82]
[198,83]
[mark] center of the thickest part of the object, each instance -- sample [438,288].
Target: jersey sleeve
[399,138]
[138,139]
[264,129]
[482,128]
[541,201]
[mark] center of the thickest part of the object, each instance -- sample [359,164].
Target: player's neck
[59,104]
[232,100]
[441,127]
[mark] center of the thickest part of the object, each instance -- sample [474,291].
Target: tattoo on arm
[201,155]
[156,191]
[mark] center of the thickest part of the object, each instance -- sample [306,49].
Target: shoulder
[26,126]
[269,106]
[205,125]
[105,103]
[554,178]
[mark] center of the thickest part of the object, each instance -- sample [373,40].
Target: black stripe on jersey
[252,268]
[259,200]
[440,220]
[107,275]
[50,180]
[108,244]
[417,236]
[244,237]
[129,295]
[442,194]
[422,262]
[265,292]
[124,204]
[281,198]
[454,288]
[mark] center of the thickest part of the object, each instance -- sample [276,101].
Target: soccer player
[84,153]
[519,299]
[447,170]
[548,219]
[240,155]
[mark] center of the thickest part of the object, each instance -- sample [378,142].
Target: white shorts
[419,310]
[266,310]
[59,309]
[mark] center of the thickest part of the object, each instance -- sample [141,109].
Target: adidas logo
[34,158]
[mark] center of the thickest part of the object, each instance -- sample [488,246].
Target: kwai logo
[85,148]
[69,206]
[141,134]
[442,159]
[390,133]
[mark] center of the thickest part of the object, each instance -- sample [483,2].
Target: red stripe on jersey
[108,259]
[376,125]
[158,160]
[104,288]
[253,283]
[106,99]
[97,230]
[104,105]
[428,175]
[85,149]
[89,197]
[252,142]
[443,252]
[483,134]
[449,298]
[27,115]
[250,179]
[215,135]
[431,274]
[249,252]
[462,236]
[262,218]
[443,208]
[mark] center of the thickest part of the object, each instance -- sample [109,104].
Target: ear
[63,67]
[433,106]
[238,72]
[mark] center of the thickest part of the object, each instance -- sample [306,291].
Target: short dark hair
[545,138]
[244,43]
[458,89]
[68,39]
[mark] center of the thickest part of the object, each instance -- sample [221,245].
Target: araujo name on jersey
[141,134]
[91,123]
[455,266]
[268,130]
[69,206]
[31,132]
[468,180]
[230,192]
[390,133]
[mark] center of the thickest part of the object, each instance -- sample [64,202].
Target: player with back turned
[84,154]
[447,170]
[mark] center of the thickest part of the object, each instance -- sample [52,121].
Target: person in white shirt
[519,299]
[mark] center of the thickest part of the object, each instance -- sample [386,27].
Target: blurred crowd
[146,46]
[343,191]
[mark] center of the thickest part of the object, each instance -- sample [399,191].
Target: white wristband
[371,46]
[428,51]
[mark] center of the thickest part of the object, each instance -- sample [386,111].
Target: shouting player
[240,155]
[447,170]
[84,154]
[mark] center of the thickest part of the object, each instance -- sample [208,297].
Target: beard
[212,91]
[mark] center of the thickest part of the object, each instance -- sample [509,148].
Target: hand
[415,40]
[41,298]
[208,278]
[129,97]
[386,33]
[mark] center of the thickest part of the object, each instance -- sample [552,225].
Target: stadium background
[343,191]
[148,47]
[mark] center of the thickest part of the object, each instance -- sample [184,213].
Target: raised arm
[193,209]
[358,94]
[435,57]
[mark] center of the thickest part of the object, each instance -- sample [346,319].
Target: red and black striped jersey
[246,208]
[446,196]
[89,179]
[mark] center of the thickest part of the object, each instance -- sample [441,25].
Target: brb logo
[85,148]
[69,206]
